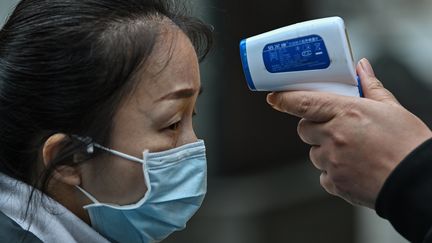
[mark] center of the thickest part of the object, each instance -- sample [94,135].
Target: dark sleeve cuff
[406,197]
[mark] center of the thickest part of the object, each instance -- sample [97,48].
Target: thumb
[314,106]
[372,88]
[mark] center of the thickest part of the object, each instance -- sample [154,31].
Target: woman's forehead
[172,66]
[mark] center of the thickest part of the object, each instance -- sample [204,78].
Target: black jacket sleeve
[12,232]
[406,197]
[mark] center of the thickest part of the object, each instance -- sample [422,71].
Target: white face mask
[176,183]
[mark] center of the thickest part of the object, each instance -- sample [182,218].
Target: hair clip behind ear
[90,148]
[87,141]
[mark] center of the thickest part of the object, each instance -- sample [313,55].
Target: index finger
[311,105]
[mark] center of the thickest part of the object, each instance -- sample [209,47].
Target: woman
[97,99]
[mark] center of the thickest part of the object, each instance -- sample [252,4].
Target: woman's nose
[188,136]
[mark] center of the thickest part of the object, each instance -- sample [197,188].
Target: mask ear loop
[91,145]
[90,149]
[93,199]
[120,154]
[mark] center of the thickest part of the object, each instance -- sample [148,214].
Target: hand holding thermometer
[311,55]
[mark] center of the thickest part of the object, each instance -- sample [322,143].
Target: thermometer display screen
[299,54]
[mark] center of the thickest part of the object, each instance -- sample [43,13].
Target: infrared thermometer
[312,55]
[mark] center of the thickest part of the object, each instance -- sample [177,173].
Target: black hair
[65,66]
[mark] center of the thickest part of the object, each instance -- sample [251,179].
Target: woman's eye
[174,126]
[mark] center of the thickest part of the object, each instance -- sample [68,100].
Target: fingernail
[367,67]
[271,99]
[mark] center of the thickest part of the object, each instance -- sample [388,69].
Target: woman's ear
[67,174]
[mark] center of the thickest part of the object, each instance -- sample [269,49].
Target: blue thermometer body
[312,55]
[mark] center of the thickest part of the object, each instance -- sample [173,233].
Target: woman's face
[156,116]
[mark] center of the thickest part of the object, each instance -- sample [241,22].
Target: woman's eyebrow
[180,94]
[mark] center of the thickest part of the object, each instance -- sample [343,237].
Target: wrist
[405,196]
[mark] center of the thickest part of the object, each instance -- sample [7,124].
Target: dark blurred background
[262,188]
